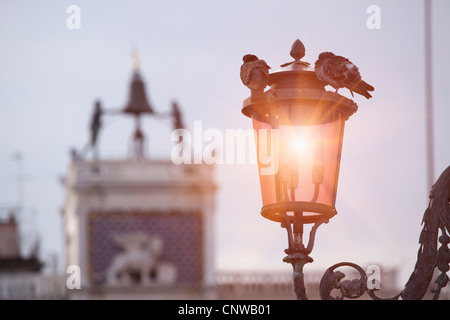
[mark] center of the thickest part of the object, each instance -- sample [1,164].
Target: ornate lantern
[299,129]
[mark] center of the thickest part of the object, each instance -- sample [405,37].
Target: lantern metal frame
[297,84]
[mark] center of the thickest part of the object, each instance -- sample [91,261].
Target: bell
[137,102]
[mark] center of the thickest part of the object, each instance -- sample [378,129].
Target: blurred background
[191,52]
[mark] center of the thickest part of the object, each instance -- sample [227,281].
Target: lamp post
[299,130]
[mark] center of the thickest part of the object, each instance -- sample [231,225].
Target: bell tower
[139,227]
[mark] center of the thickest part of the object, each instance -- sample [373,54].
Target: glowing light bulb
[300,145]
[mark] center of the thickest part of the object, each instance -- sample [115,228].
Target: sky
[191,52]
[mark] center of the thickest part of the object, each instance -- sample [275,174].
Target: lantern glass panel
[298,150]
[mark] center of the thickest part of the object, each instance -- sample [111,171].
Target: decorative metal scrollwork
[351,289]
[436,219]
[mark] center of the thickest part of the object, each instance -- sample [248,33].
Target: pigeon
[255,75]
[339,72]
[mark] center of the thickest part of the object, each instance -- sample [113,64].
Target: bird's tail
[362,88]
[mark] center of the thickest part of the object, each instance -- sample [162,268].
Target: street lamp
[299,130]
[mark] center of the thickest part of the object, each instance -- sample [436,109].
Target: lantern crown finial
[297,50]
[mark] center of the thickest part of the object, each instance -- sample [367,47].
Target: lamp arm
[436,217]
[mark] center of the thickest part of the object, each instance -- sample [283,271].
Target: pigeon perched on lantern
[255,75]
[339,72]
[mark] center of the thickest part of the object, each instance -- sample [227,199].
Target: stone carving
[140,261]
